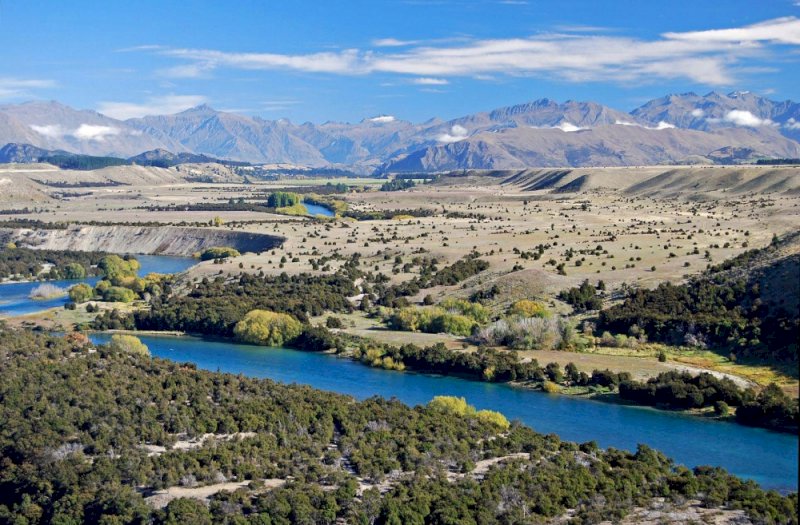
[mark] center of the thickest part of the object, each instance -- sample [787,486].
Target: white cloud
[707,57]
[739,117]
[456,134]
[698,113]
[383,119]
[792,123]
[165,105]
[95,132]
[19,87]
[566,127]
[658,127]
[393,42]
[85,132]
[51,131]
[429,81]
[784,30]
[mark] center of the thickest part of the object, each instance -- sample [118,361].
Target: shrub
[218,252]
[527,308]
[74,271]
[493,418]
[129,344]
[431,320]
[333,322]
[452,405]
[118,294]
[267,328]
[534,333]
[448,323]
[550,387]
[475,311]
[582,298]
[80,293]
[46,291]
[117,270]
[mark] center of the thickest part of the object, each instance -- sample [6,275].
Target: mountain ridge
[719,128]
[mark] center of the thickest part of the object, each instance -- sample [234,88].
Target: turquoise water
[769,458]
[316,209]
[14,298]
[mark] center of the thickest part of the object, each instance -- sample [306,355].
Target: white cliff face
[162,240]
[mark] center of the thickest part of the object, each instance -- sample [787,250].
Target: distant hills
[26,153]
[686,128]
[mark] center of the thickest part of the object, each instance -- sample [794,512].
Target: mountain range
[684,128]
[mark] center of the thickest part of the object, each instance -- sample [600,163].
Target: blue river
[316,209]
[769,458]
[15,300]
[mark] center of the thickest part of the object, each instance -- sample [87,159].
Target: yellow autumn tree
[263,327]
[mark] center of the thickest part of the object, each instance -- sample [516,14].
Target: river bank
[595,393]
[769,458]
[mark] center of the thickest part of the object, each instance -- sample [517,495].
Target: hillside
[647,181]
[748,306]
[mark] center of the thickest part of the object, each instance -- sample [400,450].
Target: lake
[15,300]
[770,458]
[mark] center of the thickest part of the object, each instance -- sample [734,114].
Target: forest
[76,419]
[26,263]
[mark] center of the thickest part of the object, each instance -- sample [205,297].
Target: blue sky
[415,59]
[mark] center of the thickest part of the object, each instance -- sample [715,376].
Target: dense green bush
[582,298]
[218,252]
